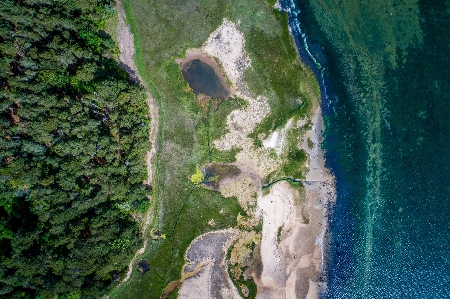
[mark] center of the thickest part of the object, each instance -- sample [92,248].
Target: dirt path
[127,51]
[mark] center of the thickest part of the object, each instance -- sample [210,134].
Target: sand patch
[126,44]
[246,188]
[227,43]
[278,210]
[276,139]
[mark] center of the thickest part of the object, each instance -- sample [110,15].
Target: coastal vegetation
[74,133]
[163,32]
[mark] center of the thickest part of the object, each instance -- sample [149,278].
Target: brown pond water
[215,173]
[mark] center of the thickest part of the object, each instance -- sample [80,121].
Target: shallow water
[203,79]
[384,71]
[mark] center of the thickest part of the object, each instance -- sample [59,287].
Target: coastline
[295,252]
[327,107]
[302,48]
[295,264]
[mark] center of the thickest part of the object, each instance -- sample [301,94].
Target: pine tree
[72,150]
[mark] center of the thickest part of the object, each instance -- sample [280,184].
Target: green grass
[166,256]
[297,158]
[249,283]
[279,232]
[290,86]
[163,32]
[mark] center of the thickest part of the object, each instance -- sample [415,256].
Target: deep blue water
[384,70]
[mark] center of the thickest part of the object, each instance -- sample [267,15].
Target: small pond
[215,173]
[143,266]
[205,77]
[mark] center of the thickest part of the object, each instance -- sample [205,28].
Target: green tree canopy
[73,134]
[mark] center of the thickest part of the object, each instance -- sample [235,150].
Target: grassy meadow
[163,31]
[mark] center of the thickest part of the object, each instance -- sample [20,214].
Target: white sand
[291,268]
[198,286]
[277,210]
[227,44]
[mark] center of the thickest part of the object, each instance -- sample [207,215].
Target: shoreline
[326,106]
[293,260]
[301,245]
[327,191]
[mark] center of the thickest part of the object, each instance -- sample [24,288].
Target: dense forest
[74,132]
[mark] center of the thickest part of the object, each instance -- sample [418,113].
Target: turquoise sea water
[384,66]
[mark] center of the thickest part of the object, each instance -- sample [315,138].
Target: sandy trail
[127,51]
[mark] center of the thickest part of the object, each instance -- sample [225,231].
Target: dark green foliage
[72,146]
[296,165]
